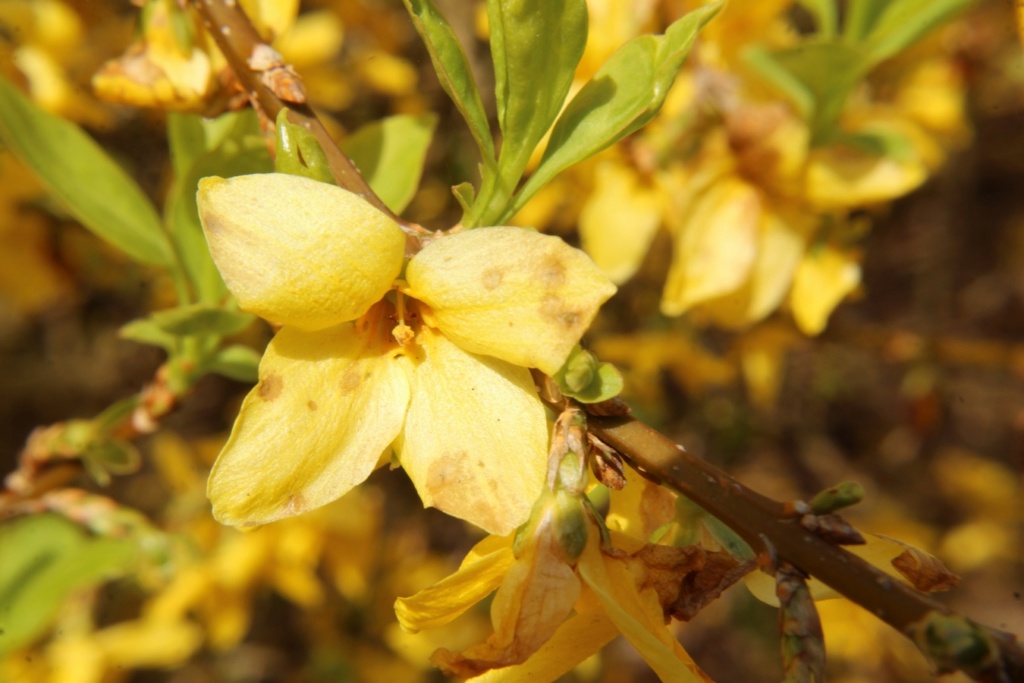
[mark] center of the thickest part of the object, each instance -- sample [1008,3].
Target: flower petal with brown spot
[305,435]
[508,292]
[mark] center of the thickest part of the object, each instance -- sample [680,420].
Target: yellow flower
[433,366]
[536,593]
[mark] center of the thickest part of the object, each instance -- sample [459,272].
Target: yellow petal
[763,353]
[327,405]
[825,276]
[511,293]
[576,639]
[313,39]
[475,439]
[618,222]
[535,597]
[641,507]
[841,177]
[145,643]
[715,247]
[781,244]
[299,252]
[477,578]
[272,17]
[934,95]
[638,615]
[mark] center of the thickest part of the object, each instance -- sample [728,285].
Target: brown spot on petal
[447,484]
[554,309]
[551,272]
[296,504]
[270,387]
[447,470]
[492,278]
[311,405]
[350,380]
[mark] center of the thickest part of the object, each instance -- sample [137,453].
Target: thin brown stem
[767,526]
[236,37]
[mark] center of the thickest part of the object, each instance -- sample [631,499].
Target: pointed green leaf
[535,45]
[236,362]
[764,64]
[454,72]
[76,170]
[860,18]
[45,559]
[464,195]
[201,319]
[186,138]
[390,154]
[625,93]
[828,70]
[145,331]
[904,22]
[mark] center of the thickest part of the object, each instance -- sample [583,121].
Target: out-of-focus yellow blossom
[46,48]
[731,173]
[988,493]
[174,65]
[439,372]
[643,356]
[826,275]
[762,353]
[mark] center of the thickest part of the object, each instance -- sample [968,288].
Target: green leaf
[625,93]
[727,538]
[454,72]
[535,45]
[904,22]
[201,319]
[764,64]
[694,521]
[464,194]
[824,13]
[390,154]
[881,142]
[145,331]
[115,414]
[237,362]
[860,18]
[45,559]
[828,70]
[234,147]
[186,137]
[298,152]
[77,171]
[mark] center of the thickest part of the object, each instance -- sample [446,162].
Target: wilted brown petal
[689,578]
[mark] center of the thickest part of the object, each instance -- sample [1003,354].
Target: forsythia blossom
[433,366]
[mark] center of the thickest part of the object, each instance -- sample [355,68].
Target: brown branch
[242,46]
[766,525]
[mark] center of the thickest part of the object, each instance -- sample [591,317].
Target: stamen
[402,333]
